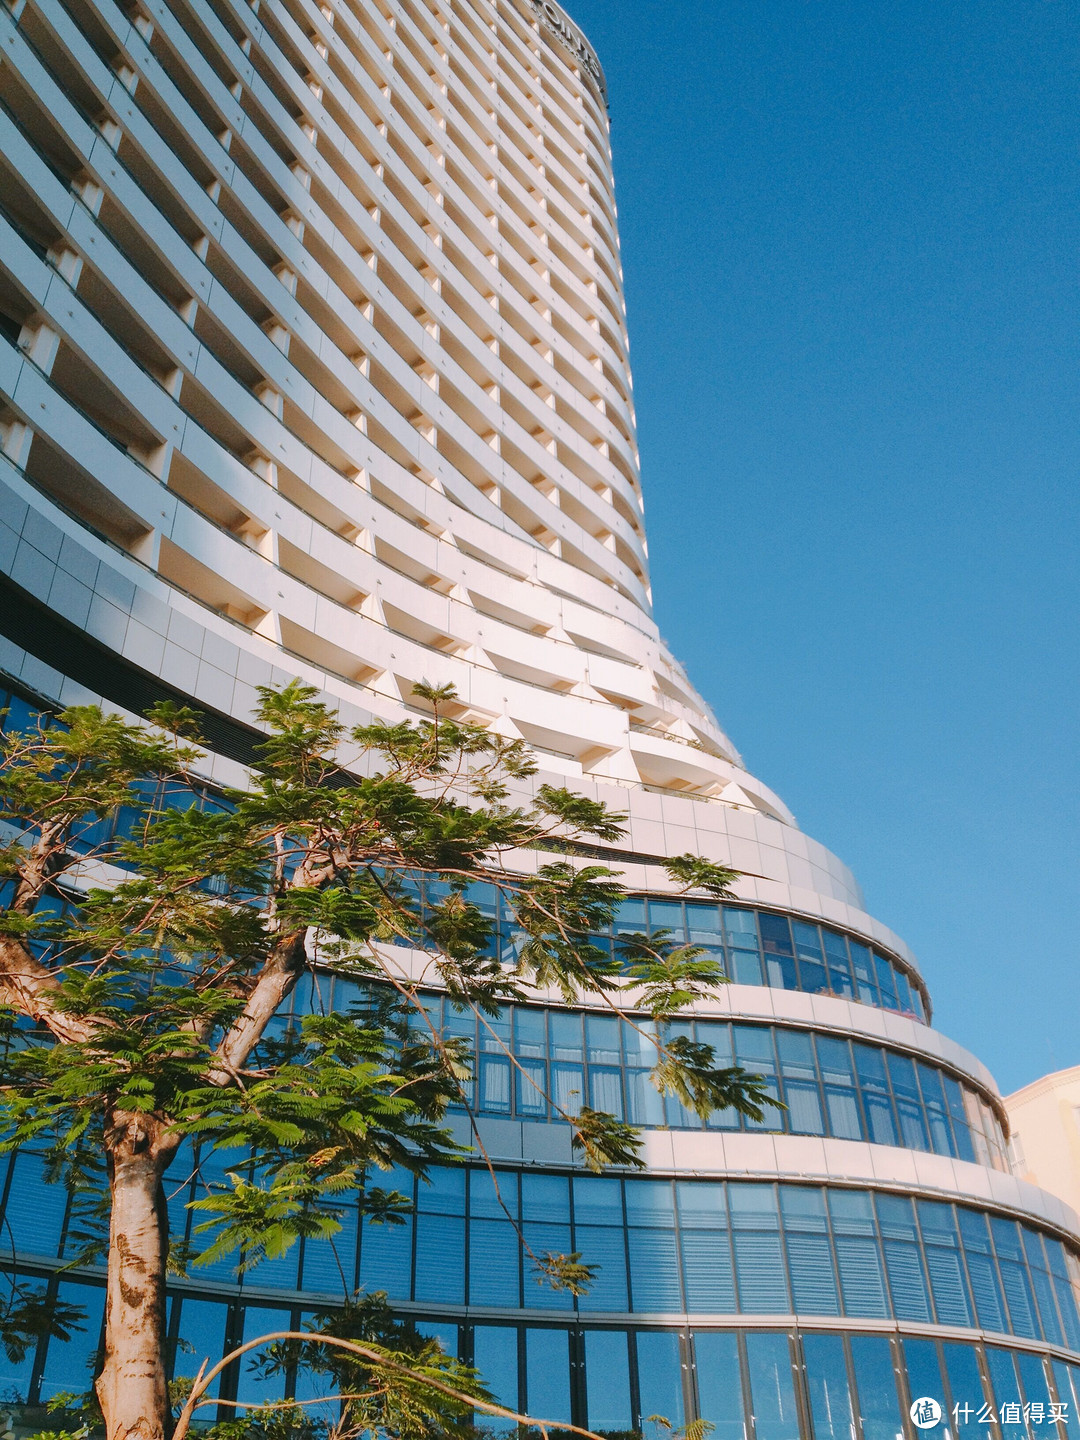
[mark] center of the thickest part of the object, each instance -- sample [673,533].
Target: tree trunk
[131,1386]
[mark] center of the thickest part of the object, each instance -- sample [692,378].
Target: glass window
[1063,1288]
[943,1260]
[668,915]
[1042,1285]
[796,1051]
[495,1083]
[35,1210]
[1006,1392]
[605,1090]
[495,1355]
[493,1263]
[72,1364]
[865,975]
[886,983]
[531,1084]
[602,1039]
[706,1248]
[772,1392]
[329,1265]
[838,1077]
[607,1380]
[759,1261]
[836,954]
[386,1256]
[875,1380]
[547,1374]
[568,1088]
[779,952]
[827,1385]
[966,1392]
[659,1371]
[719,1385]
[654,1270]
[985,1286]
[809,1251]
[903,1259]
[565,1030]
[924,1381]
[908,1102]
[862,1284]
[200,1337]
[937,1113]
[812,974]
[754,1052]
[703,922]
[1014,1277]
[600,1237]
[530,1032]
[903,990]
[250,1387]
[1063,1386]
[440,1259]
[870,1066]
[1035,1385]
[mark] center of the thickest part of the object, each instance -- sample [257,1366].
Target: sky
[851,242]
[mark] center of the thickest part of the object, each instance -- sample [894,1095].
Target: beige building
[1045,1121]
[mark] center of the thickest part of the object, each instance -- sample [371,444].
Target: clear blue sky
[851,237]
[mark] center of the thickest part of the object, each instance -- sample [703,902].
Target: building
[314,361]
[1044,1120]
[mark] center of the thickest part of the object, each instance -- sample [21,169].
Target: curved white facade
[314,362]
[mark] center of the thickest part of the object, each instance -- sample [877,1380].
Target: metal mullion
[799,1383]
[988,1385]
[834,1256]
[749,1418]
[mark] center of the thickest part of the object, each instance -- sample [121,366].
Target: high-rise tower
[314,362]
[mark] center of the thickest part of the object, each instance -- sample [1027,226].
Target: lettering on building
[561,28]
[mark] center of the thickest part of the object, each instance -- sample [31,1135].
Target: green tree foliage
[138,1016]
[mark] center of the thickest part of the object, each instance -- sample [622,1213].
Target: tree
[139,1014]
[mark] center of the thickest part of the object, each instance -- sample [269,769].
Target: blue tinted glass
[1006,1393]
[200,1337]
[865,977]
[719,1387]
[35,1210]
[249,1386]
[607,1380]
[773,1394]
[836,954]
[943,1260]
[966,1389]
[886,982]
[654,1270]
[876,1385]
[495,1355]
[545,1197]
[493,1263]
[1063,1386]
[659,1375]
[530,1032]
[70,1364]
[386,1259]
[827,1384]
[759,1261]
[903,1261]
[810,1260]
[1033,1378]
[703,922]
[329,1265]
[547,1374]
[667,915]
[597,1200]
[858,1260]
[925,1382]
